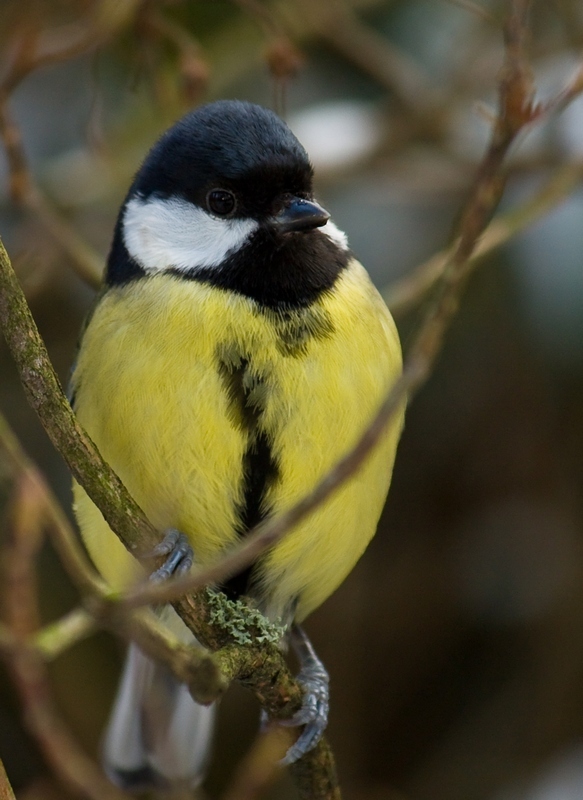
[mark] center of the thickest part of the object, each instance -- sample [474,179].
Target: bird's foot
[315,707]
[313,714]
[179,556]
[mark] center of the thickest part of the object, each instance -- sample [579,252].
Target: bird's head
[225,192]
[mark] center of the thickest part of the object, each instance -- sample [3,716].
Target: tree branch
[27,669]
[406,292]
[45,395]
[33,50]
[6,791]
[190,664]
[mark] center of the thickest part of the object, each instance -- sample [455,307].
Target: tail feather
[157,734]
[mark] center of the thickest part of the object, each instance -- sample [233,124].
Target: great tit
[236,351]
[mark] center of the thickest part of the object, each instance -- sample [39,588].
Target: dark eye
[221,202]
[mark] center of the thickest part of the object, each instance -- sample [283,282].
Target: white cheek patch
[171,233]
[334,233]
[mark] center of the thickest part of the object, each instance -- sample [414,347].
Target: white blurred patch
[553,74]
[171,233]
[468,130]
[571,129]
[562,779]
[338,134]
[547,259]
[469,127]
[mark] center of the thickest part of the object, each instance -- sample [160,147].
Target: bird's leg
[314,711]
[180,556]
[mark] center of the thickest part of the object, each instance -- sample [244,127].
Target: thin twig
[46,396]
[365,47]
[283,58]
[194,69]
[58,745]
[267,20]
[29,675]
[257,771]
[73,557]
[408,291]
[34,50]
[86,261]
[190,664]
[57,637]
[403,294]
[6,791]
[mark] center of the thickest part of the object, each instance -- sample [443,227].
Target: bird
[236,351]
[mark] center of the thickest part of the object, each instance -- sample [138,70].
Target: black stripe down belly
[246,391]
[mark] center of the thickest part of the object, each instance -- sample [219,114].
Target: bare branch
[34,49]
[194,69]
[190,664]
[46,396]
[260,766]
[6,791]
[315,774]
[363,46]
[28,672]
[31,51]
[88,263]
[57,637]
[403,294]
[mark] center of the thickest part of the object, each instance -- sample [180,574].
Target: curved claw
[313,713]
[180,556]
[316,703]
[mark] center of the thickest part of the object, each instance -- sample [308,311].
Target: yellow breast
[185,388]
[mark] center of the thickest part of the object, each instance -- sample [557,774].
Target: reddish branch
[41,717]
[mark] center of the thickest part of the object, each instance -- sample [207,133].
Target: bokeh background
[456,646]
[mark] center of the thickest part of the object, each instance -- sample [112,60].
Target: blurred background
[456,646]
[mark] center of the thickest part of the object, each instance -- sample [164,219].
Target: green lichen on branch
[260,667]
[243,623]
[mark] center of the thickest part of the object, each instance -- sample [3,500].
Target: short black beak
[300,215]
